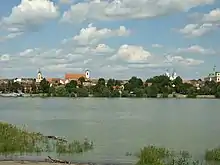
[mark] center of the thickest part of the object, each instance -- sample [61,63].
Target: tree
[105,92]
[115,93]
[16,86]
[139,92]
[101,82]
[160,82]
[191,92]
[81,80]
[61,91]
[110,83]
[152,91]
[178,81]
[33,88]
[217,94]
[125,93]
[71,86]
[133,83]
[52,91]
[82,92]
[44,86]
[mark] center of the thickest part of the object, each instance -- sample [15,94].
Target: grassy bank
[152,155]
[19,141]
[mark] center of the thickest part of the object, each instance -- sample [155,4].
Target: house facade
[215,76]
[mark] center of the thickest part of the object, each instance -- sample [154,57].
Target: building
[214,76]
[39,77]
[57,81]
[171,76]
[196,83]
[73,76]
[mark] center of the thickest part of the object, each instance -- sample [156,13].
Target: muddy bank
[42,160]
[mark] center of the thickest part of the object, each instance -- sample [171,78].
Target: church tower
[39,76]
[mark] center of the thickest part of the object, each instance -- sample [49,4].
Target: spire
[214,68]
[167,73]
[39,71]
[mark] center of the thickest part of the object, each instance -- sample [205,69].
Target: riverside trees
[135,87]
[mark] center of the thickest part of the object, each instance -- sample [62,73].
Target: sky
[111,38]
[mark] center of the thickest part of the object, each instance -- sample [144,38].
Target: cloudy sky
[111,38]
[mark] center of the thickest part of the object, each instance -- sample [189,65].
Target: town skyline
[167,72]
[110,38]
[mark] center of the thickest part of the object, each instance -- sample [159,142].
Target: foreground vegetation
[18,141]
[14,141]
[160,86]
[152,155]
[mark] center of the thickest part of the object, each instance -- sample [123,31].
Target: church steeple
[39,76]
[39,72]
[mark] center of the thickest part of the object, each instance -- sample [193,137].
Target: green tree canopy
[71,86]
[44,86]
[81,80]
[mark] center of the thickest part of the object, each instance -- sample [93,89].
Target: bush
[153,155]
[164,95]
[115,93]
[82,92]
[191,96]
[14,140]
[213,155]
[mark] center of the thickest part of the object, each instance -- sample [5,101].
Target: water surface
[120,125]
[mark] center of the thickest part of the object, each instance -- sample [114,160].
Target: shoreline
[40,160]
[169,97]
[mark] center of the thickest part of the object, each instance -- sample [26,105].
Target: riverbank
[170,96]
[40,160]
[25,162]
[19,163]
[49,163]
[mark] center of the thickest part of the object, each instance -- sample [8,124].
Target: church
[67,78]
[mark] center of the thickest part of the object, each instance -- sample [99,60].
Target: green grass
[14,140]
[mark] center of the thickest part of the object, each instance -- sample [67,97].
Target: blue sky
[111,38]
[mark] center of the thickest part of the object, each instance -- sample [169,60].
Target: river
[120,125]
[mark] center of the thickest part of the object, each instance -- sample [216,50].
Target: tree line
[153,87]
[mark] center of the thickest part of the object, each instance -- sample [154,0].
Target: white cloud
[28,15]
[93,50]
[10,36]
[102,48]
[132,54]
[197,30]
[5,57]
[179,60]
[65,2]
[92,35]
[212,16]
[157,45]
[195,49]
[127,9]
[205,24]
[128,59]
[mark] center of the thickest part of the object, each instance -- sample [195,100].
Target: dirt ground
[27,163]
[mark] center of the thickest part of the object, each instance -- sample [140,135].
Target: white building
[213,77]
[39,77]
[171,76]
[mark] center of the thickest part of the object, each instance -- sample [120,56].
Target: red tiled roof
[72,76]
[52,79]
